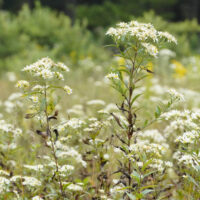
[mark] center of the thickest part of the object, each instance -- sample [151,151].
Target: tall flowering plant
[44,77]
[137,43]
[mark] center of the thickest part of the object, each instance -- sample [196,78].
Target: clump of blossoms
[183,135]
[44,70]
[137,44]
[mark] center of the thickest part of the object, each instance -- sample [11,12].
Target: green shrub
[33,34]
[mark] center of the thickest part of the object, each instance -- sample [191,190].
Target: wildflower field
[113,118]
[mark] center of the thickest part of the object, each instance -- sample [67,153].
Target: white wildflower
[22,84]
[35,167]
[96,102]
[168,36]
[31,181]
[37,198]
[34,99]
[112,76]
[176,95]
[74,187]
[62,66]
[67,89]
[150,49]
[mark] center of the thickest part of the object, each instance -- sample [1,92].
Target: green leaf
[146,165]
[124,70]
[147,174]
[111,45]
[131,196]
[158,112]
[147,191]
[148,186]
[42,105]
[146,122]
[134,99]
[193,181]
[142,77]
[136,176]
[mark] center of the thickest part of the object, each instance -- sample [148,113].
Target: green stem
[52,142]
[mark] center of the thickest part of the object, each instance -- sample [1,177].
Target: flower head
[22,84]
[112,76]
[67,89]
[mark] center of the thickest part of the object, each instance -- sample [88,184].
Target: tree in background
[107,12]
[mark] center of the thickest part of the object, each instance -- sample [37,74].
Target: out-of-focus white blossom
[22,84]
[74,187]
[67,89]
[150,49]
[35,167]
[112,76]
[37,198]
[176,95]
[96,102]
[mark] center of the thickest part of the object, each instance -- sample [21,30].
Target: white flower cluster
[174,114]
[4,184]
[9,128]
[96,102]
[35,167]
[112,76]
[34,99]
[142,32]
[12,102]
[26,180]
[74,123]
[184,123]
[160,165]
[150,149]
[3,172]
[75,187]
[150,49]
[188,137]
[187,160]
[37,198]
[67,89]
[66,168]
[22,84]
[76,109]
[64,151]
[174,94]
[167,36]
[45,68]
[153,135]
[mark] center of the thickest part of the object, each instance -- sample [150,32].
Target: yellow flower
[121,61]
[149,66]
[179,70]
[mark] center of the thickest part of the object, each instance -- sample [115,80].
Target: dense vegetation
[91,112]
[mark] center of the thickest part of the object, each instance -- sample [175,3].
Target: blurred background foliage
[73,30]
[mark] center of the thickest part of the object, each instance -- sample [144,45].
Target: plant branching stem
[130,117]
[52,142]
